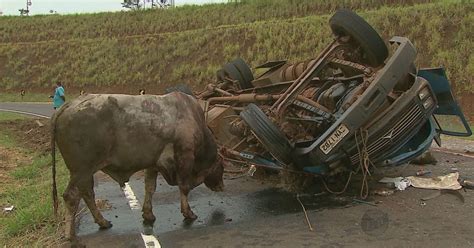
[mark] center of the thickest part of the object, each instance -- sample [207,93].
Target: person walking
[59,96]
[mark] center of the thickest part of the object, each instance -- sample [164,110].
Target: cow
[122,134]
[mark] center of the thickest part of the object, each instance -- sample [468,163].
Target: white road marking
[149,240]
[25,113]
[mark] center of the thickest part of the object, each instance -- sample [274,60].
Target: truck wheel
[238,70]
[267,133]
[234,74]
[220,75]
[345,22]
[245,71]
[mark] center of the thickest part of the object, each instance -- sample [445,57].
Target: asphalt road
[257,213]
[36,109]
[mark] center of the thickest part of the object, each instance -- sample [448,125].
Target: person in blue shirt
[59,97]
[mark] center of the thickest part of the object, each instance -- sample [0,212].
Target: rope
[364,161]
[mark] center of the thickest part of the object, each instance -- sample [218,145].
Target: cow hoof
[148,219]
[190,216]
[105,225]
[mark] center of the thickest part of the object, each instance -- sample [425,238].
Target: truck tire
[267,133]
[234,74]
[238,70]
[245,71]
[345,22]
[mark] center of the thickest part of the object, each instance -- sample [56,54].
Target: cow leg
[87,192]
[184,157]
[185,208]
[150,187]
[71,197]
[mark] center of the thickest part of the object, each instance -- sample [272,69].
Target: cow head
[214,180]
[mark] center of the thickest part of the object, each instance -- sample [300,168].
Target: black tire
[345,22]
[232,72]
[245,71]
[267,133]
[220,75]
[238,70]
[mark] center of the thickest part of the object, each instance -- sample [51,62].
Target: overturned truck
[356,103]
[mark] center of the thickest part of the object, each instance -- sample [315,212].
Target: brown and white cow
[122,134]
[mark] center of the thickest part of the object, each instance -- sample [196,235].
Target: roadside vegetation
[28,97]
[25,183]
[188,17]
[89,52]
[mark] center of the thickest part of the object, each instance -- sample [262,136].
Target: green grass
[115,25]
[32,223]
[29,97]
[7,116]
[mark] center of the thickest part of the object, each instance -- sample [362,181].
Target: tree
[131,4]
[24,12]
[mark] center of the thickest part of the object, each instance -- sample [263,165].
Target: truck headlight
[423,93]
[428,103]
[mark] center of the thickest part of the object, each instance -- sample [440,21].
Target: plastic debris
[449,181]
[252,170]
[400,183]
[8,209]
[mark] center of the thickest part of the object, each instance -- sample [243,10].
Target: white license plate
[334,139]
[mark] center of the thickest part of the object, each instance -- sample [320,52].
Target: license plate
[334,139]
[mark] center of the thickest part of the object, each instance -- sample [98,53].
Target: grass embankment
[188,17]
[122,51]
[26,184]
[29,97]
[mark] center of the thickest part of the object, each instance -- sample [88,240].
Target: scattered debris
[400,183]
[422,172]
[466,183]
[39,123]
[383,192]
[305,214]
[252,170]
[449,181]
[8,209]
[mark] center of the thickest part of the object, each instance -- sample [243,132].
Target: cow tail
[53,166]
[53,157]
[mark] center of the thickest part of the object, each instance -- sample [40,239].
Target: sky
[11,7]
